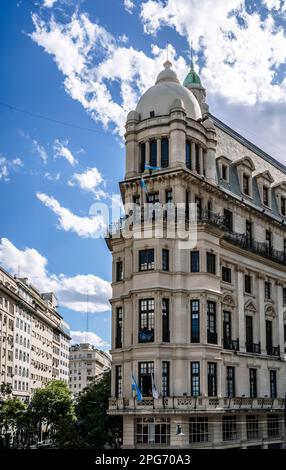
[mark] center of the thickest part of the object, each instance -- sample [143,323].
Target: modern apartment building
[86,364]
[199,279]
[34,339]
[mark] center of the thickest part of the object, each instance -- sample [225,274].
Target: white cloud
[272,4]
[39,150]
[89,337]
[7,165]
[129,5]
[85,227]
[70,291]
[89,181]
[88,56]
[49,3]
[61,150]
[242,52]
[51,177]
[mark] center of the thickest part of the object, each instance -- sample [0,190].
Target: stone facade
[203,323]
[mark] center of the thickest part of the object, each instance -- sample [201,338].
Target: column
[128,432]
[159,152]
[201,160]
[240,308]
[279,336]
[193,155]
[147,152]
[261,313]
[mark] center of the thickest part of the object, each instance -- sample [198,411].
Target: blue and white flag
[136,389]
[150,167]
[154,389]
[143,184]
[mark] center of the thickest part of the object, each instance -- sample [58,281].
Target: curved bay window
[146,369]
[211,322]
[146,321]
[164,152]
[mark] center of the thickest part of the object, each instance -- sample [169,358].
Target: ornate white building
[209,321]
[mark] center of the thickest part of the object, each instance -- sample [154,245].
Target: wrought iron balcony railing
[273,350]
[232,344]
[253,348]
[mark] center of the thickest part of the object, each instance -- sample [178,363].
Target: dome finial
[167,65]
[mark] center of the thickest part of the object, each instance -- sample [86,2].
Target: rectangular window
[268,240]
[195,261]
[166,378]
[119,329]
[188,154]
[265,196]
[211,263]
[230,382]
[212,379]
[249,333]
[198,202]
[229,429]
[169,195]
[136,199]
[118,381]
[269,335]
[252,428]
[253,383]
[273,384]
[273,425]
[267,290]
[142,157]
[228,219]
[165,259]
[211,322]
[246,184]
[119,271]
[283,206]
[146,320]
[153,431]
[249,232]
[146,260]
[226,274]
[195,321]
[198,167]
[153,152]
[152,198]
[195,379]
[224,172]
[165,321]
[164,152]
[247,284]
[146,369]
[198,430]
[227,340]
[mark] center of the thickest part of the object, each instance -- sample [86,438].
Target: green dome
[192,79]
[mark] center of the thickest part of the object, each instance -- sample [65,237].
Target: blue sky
[83,65]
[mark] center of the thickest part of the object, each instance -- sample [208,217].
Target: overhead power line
[46,118]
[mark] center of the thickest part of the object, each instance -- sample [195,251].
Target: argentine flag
[136,390]
[150,167]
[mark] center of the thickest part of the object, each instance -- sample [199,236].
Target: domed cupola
[193,83]
[159,99]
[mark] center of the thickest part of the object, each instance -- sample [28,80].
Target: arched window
[164,152]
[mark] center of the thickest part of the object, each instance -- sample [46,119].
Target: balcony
[212,337]
[273,351]
[146,336]
[261,249]
[232,344]
[254,348]
[190,404]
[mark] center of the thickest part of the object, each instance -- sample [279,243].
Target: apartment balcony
[232,344]
[273,351]
[254,348]
[189,404]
